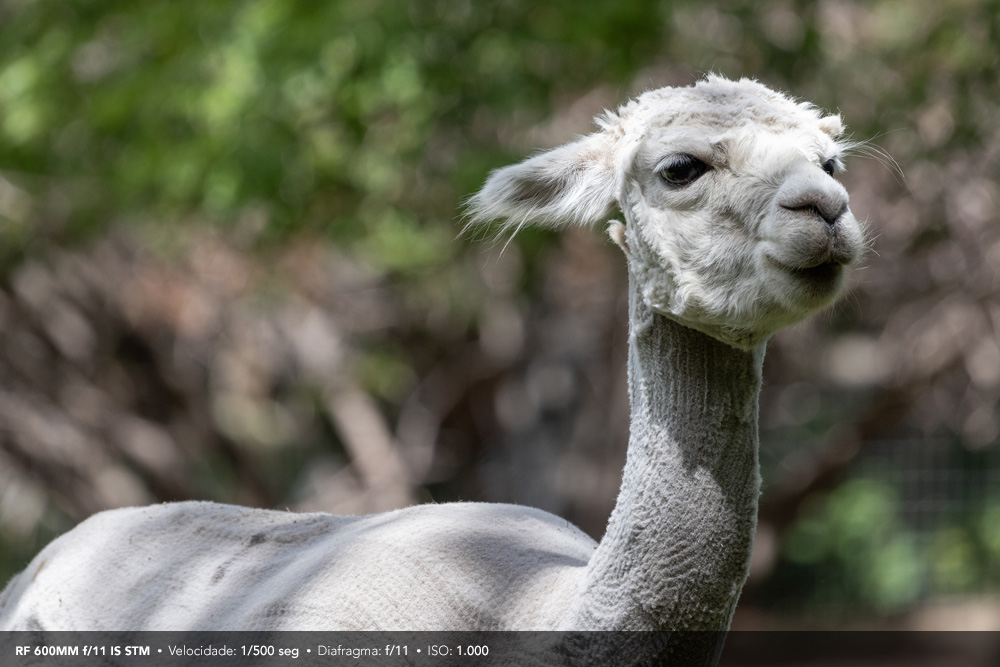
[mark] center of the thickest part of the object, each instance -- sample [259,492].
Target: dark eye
[683,170]
[830,167]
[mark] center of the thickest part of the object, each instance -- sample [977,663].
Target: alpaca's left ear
[832,125]
[572,184]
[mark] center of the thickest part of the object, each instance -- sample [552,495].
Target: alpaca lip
[826,270]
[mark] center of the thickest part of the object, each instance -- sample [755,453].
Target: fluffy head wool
[753,245]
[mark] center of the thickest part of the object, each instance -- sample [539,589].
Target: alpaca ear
[572,184]
[832,125]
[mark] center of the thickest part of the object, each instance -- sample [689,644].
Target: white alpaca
[733,228]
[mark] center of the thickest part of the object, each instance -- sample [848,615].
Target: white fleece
[205,566]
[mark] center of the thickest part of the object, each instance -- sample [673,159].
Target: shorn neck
[677,547]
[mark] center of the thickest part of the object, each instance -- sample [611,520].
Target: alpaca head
[734,223]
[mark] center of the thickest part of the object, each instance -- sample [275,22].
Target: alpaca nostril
[829,215]
[809,192]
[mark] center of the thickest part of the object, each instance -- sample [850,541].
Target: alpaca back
[207,566]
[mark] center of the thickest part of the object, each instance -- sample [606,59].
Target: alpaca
[733,228]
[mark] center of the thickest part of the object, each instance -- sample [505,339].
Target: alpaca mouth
[822,273]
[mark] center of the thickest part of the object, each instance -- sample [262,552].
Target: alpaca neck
[677,547]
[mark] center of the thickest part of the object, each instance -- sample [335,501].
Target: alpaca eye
[683,170]
[830,167]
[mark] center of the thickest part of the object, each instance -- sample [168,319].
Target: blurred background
[229,270]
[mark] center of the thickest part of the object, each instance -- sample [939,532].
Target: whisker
[868,148]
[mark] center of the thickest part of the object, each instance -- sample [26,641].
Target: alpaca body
[206,566]
[455,566]
[733,228]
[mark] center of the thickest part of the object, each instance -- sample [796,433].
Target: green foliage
[345,117]
[859,549]
[857,531]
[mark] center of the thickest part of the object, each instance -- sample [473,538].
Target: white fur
[715,267]
[207,566]
[716,253]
